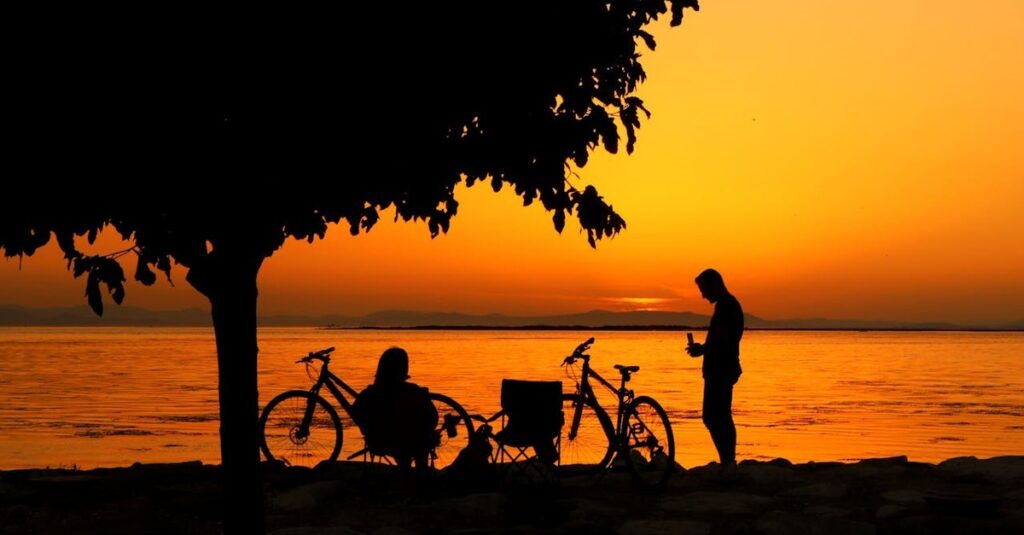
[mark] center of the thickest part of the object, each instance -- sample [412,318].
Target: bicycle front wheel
[289,436]
[454,427]
[585,442]
[651,445]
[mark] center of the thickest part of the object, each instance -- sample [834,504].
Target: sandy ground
[962,495]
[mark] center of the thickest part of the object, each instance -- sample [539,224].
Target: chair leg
[519,461]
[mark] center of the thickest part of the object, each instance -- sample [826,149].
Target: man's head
[711,285]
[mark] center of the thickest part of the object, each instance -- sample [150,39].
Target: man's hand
[695,350]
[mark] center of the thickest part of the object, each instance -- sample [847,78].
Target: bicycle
[641,435]
[301,428]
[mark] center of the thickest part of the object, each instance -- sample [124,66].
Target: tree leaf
[117,292]
[81,266]
[92,293]
[143,274]
[164,264]
[648,39]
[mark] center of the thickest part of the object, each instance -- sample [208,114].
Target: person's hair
[711,277]
[393,366]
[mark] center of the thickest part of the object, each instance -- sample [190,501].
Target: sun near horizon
[830,162]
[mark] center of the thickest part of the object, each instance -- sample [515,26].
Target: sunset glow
[829,161]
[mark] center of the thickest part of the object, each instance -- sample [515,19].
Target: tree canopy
[189,132]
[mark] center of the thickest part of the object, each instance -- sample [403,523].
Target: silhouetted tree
[208,139]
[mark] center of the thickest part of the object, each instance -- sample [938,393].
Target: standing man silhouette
[721,367]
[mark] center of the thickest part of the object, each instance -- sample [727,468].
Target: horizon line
[320,319]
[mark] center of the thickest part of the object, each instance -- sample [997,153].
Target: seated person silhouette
[397,417]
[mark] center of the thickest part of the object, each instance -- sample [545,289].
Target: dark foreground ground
[963,495]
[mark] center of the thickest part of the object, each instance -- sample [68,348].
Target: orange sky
[830,162]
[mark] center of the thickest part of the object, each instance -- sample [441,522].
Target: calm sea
[92,397]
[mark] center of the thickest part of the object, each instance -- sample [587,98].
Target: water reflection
[85,396]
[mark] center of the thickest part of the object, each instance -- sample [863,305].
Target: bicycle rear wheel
[283,437]
[454,427]
[585,445]
[651,445]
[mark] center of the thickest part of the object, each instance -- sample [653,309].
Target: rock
[828,490]
[1014,501]
[14,515]
[885,461]
[1000,470]
[318,530]
[961,503]
[187,469]
[876,468]
[578,482]
[11,491]
[773,477]
[829,511]
[904,496]
[924,525]
[933,524]
[393,530]
[817,467]
[785,523]
[593,510]
[486,507]
[355,471]
[156,467]
[703,502]
[579,517]
[890,510]
[703,469]
[664,527]
[64,477]
[311,496]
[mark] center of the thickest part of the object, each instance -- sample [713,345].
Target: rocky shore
[876,496]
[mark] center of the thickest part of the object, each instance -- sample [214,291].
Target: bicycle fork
[302,432]
[577,415]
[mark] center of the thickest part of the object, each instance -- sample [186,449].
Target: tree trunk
[229,282]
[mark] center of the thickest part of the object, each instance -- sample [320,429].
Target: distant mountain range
[13,315]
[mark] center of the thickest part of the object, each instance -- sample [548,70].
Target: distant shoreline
[639,320]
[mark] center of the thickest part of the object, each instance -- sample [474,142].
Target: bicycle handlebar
[318,355]
[578,353]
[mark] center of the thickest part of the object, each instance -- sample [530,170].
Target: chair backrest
[534,408]
[396,419]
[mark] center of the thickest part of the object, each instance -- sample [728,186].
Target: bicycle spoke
[590,446]
[449,447]
[281,423]
[650,442]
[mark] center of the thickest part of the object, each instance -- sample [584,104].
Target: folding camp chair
[531,421]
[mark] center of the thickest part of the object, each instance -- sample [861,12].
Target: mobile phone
[689,338]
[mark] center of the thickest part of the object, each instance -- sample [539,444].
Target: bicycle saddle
[627,369]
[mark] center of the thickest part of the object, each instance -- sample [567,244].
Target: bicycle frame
[335,385]
[586,391]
